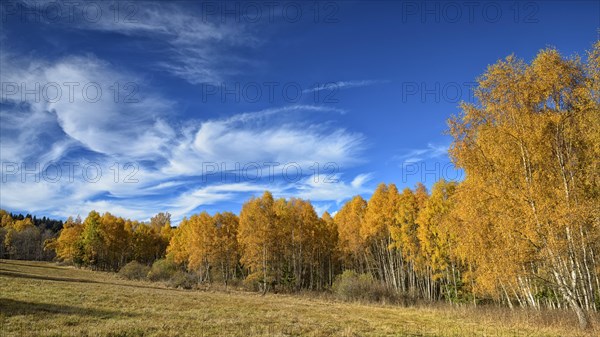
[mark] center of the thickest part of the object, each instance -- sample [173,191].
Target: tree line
[522,228]
[23,237]
[108,242]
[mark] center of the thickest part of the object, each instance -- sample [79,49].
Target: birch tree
[530,149]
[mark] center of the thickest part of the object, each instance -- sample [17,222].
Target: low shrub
[162,270]
[253,282]
[134,271]
[183,280]
[350,286]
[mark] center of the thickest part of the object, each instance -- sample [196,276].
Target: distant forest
[23,237]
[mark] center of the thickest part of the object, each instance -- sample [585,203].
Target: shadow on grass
[10,307]
[9,273]
[29,265]
[45,278]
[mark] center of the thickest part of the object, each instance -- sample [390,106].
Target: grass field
[44,299]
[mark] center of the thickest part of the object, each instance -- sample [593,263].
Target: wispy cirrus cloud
[345,85]
[258,115]
[332,187]
[197,48]
[167,149]
[421,154]
[169,156]
[264,136]
[85,112]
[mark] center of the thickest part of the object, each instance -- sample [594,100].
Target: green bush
[183,280]
[162,270]
[134,271]
[350,286]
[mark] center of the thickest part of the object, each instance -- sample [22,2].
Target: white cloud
[319,188]
[197,48]
[360,180]
[169,158]
[248,138]
[344,85]
[417,155]
[322,208]
[209,195]
[257,115]
[77,96]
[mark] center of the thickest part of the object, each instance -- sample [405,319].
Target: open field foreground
[43,299]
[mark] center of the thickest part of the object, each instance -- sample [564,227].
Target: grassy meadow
[45,299]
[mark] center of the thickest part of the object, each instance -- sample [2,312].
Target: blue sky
[140,107]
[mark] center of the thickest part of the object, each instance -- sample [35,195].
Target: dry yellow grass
[43,299]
